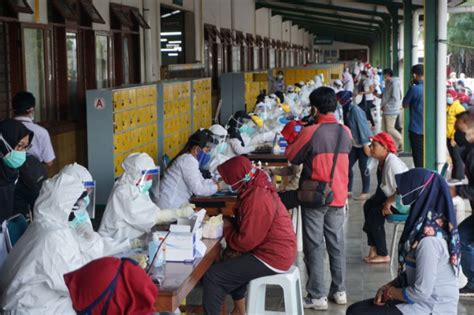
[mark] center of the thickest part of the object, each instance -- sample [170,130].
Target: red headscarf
[134,292]
[237,168]
[386,140]
[453,93]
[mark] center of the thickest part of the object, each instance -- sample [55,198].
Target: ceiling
[358,22]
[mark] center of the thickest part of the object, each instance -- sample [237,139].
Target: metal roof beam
[351,25]
[328,17]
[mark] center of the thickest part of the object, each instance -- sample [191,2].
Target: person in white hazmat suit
[31,280]
[182,177]
[240,134]
[130,212]
[217,153]
[92,244]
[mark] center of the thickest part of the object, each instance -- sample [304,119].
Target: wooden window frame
[49,109]
[26,8]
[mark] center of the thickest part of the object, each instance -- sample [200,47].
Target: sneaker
[466,292]
[339,298]
[320,304]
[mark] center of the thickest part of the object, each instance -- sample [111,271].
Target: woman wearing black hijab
[428,252]
[15,140]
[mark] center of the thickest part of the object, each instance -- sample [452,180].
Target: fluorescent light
[163,40]
[171,49]
[175,42]
[166,15]
[172,54]
[170,33]
[175,12]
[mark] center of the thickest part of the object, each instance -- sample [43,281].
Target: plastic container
[153,247]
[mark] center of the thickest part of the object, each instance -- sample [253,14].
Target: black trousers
[367,307]
[416,142]
[458,165]
[374,224]
[230,277]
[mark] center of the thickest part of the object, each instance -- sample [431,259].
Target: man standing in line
[315,148]
[414,101]
[391,103]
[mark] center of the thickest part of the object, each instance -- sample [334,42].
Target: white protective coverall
[129,212]
[183,179]
[92,244]
[31,280]
[217,153]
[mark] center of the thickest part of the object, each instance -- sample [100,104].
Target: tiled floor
[362,279]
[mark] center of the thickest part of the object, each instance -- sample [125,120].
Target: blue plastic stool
[396,219]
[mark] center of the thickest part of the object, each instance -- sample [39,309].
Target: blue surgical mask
[222,147]
[80,216]
[403,209]
[449,100]
[15,159]
[203,158]
[145,186]
[247,129]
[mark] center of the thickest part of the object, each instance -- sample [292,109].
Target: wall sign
[99,103]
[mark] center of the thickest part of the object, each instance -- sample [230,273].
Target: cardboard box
[180,247]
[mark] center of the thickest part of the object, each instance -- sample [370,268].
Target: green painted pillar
[388,57]
[429,113]
[395,60]
[407,64]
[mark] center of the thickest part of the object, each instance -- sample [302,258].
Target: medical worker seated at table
[92,244]
[182,177]
[240,132]
[218,152]
[262,233]
[130,290]
[31,279]
[428,252]
[130,212]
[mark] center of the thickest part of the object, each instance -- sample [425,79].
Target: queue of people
[40,274]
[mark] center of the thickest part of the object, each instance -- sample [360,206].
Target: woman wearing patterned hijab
[428,253]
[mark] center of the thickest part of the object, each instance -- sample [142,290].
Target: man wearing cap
[23,104]
[354,118]
[383,149]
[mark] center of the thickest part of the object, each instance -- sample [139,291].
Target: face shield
[90,188]
[150,179]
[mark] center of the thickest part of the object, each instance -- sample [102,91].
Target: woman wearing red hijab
[111,286]
[262,232]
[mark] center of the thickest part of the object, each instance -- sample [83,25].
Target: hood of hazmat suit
[130,213]
[92,244]
[217,153]
[31,279]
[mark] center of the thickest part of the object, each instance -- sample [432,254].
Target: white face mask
[371,165]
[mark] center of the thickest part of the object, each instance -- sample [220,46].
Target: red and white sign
[99,103]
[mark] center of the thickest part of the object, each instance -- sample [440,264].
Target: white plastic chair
[290,283]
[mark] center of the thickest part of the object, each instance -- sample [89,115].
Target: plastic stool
[290,283]
[396,219]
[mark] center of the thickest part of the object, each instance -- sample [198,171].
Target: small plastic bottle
[161,259]
[153,247]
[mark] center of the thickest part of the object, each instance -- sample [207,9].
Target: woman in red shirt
[261,231]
